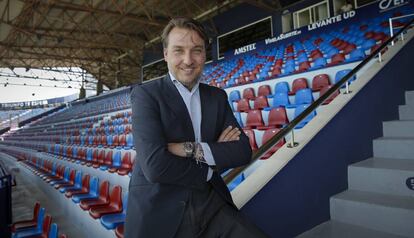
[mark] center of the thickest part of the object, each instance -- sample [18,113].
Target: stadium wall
[297,198]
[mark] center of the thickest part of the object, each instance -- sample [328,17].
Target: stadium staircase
[379,201]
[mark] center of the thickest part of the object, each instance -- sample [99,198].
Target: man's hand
[230,134]
[177,149]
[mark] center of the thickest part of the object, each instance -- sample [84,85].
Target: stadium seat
[297,84]
[264,90]
[280,99]
[233,184]
[93,191]
[103,198]
[303,96]
[237,115]
[320,81]
[111,221]
[267,135]
[260,103]
[281,87]
[76,186]
[234,96]
[248,93]
[27,223]
[34,230]
[107,163]
[332,97]
[84,189]
[299,109]
[276,117]
[254,119]
[252,138]
[243,105]
[342,73]
[126,164]
[114,205]
[73,174]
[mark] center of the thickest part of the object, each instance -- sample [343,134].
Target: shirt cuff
[208,156]
[209,174]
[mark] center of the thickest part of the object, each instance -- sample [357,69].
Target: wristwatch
[188,149]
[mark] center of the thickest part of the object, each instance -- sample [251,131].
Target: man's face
[185,55]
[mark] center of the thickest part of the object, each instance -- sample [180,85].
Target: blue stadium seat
[32,231]
[342,73]
[93,191]
[299,109]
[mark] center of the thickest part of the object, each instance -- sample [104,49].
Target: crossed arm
[228,134]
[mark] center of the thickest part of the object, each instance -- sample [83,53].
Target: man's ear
[165,54]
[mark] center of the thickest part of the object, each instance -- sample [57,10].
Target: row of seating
[101,203]
[113,161]
[318,83]
[40,226]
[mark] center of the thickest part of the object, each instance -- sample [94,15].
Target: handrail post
[379,57]
[391,30]
[292,142]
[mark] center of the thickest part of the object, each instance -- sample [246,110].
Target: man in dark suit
[185,134]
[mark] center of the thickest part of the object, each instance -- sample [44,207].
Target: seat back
[46,225]
[78,179]
[108,158]
[243,105]
[264,90]
[254,119]
[94,186]
[116,159]
[303,96]
[261,102]
[248,93]
[320,81]
[234,96]
[280,99]
[104,190]
[252,138]
[85,182]
[40,218]
[299,83]
[116,197]
[53,233]
[126,161]
[278,117]
[281,87]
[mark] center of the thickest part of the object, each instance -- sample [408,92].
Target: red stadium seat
[254,119]
[84,190]
[277,118]
[114,206]
[126,164]
[252,138]
[332,97]
[260,103]
[267,135]
[27,223]
[103,198]
[299,83]
[248,93]
[264,90]
[320,81]
[243,105]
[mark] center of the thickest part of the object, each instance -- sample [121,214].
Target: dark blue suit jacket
[162,182]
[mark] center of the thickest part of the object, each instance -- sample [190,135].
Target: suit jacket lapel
[208,114]
[177,105]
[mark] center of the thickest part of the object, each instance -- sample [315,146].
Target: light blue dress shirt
[193,104]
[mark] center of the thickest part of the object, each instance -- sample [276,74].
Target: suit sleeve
[230,154]
[156,162]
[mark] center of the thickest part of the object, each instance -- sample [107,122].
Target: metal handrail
[285,130]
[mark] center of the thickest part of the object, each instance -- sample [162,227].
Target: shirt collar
[178,83]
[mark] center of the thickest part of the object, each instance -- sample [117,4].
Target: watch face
[188,148]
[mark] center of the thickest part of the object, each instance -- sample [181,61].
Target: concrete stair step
[398,128]
[388,176]
[387,213]
[394,147]
[334,229]
[406,112]
[409,98]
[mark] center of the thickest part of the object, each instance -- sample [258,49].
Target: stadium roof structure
[105,37]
